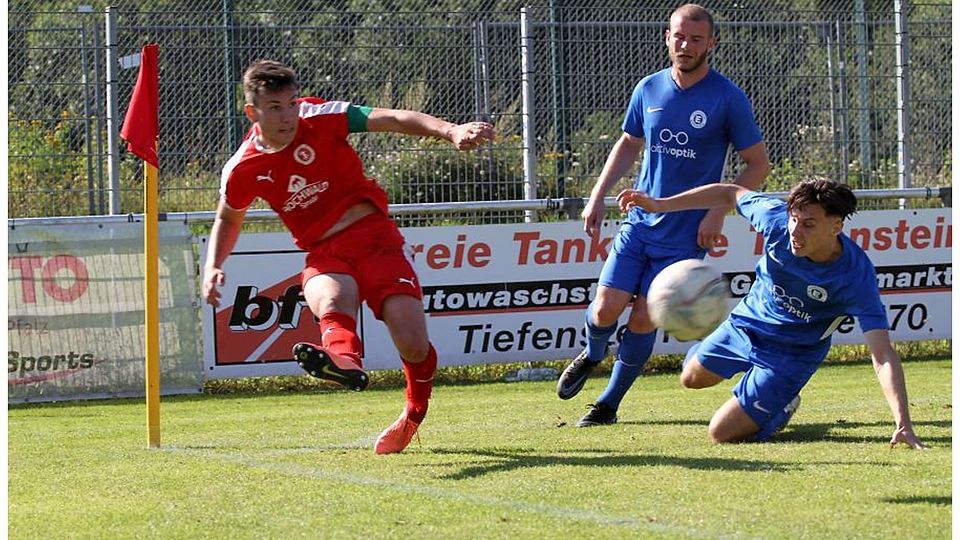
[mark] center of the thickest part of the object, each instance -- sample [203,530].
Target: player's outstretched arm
[708,196]
[223,236]
[889,370]
[463,136]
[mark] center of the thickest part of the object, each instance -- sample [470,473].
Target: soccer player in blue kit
[810,278]
[684,118]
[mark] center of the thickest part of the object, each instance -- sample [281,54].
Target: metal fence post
[842,71]
[481,73]
[87,113]
[866,149]
[477,76]
[559,94]
[827,31]
[903,94]
[529,133]
[113,112]
[98,112]
[230,96]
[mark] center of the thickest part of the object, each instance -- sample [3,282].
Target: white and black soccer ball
[688,299]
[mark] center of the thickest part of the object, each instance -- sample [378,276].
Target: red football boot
[396,437]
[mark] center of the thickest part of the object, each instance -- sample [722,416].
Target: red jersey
[311,182]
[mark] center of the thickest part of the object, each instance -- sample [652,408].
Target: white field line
[452,495]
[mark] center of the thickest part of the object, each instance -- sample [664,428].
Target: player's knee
[693,380]
[640,323]
[718,436]
[642,328]
[604,314]
[722,433]
[413,350]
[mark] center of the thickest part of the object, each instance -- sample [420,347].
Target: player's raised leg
[333,298]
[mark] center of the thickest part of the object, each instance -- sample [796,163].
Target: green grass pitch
[494,460]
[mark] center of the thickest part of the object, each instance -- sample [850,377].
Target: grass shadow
[834,432]
[501,460]
[703,423]
[943,500]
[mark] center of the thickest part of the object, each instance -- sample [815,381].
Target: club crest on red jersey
[304,155]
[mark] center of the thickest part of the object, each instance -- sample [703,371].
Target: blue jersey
[798,302]
[687,132]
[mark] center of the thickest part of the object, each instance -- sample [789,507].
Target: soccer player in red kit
[297,158]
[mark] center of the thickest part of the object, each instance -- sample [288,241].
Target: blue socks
[597,338]
[633,354]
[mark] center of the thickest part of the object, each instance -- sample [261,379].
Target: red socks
[419,384]
[338,334]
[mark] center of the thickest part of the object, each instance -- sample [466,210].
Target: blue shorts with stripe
[633,263]
[774,372]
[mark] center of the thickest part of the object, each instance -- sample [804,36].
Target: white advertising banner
[511,293]
[75,312]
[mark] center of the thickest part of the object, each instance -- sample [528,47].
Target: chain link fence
[822,77]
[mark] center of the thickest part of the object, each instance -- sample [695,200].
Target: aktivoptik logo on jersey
[304,155]
[680,137]
[698,119]
[792,304]
[669,139]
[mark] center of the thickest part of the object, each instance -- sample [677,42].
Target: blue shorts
[633,263]
[774,372]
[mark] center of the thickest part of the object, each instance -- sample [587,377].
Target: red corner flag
[141,127]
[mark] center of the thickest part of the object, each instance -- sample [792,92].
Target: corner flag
[141,127]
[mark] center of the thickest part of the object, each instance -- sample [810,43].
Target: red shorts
[371,251]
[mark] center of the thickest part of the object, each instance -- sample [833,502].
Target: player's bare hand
[212,278]
[592,215]
[471,135]
[630,198]
[708,234]
[906,436]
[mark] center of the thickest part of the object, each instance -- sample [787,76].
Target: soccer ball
[688,299]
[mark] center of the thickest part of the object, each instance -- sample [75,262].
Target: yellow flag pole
[152,314]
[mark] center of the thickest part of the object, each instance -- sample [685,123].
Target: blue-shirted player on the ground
[684,119]
[810,279]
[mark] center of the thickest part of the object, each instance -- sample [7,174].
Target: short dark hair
[269,76]
[695,12]
[835,198]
